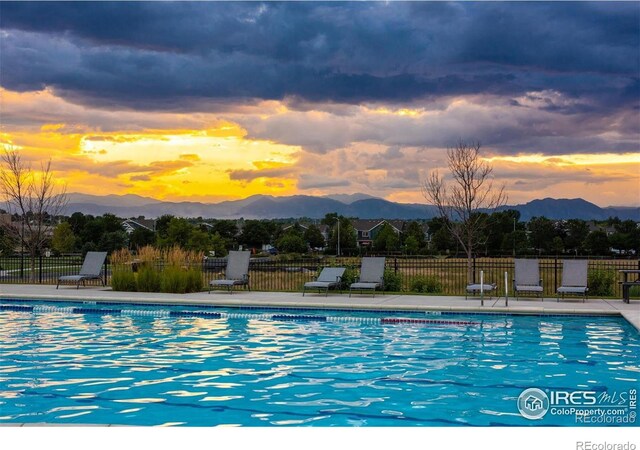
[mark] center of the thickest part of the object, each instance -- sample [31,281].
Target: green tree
[557,246]
[227,229]
[515,243]
[77,221]
[597,243]
[541,233]
[63,240]
[500,224]
[330,220]
[411,245]
[348,237]
[141,237]
[291,243]
[313,237]
[110,223]
[162,225]
[255,234]
[626,237]
[442,240]
[8,243]
[414,230]
[112,241]
[219,245]
[178,231]
[91,231]
[198,240]
[386,240]
[576,232]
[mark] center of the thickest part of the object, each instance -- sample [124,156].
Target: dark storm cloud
[179,55]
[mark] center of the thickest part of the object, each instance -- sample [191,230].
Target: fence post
[555,274]
[474,269]
[395,264]
[40,269]
[21,265]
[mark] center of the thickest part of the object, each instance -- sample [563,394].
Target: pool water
[197,369]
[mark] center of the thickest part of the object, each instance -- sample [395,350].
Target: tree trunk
[469,268]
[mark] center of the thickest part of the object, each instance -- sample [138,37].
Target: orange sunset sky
[208,110]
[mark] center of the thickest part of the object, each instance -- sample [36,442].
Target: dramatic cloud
[150,55]
[235,98]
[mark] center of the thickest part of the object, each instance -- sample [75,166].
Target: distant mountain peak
[362,206]
[348,199]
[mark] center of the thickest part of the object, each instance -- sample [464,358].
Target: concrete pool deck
[630,311]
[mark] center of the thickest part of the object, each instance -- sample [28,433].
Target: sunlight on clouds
[572,160]
[214,157]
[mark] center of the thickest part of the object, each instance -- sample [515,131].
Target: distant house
[324,230]
[367,230]
[130,225]
[593,226]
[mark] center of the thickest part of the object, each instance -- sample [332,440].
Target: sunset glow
[227,125]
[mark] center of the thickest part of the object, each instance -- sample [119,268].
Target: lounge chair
[527,277]
[236,274]
[574,278]
[91,270]
[371,275]
[329,277]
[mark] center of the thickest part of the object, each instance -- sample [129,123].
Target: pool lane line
[220,315]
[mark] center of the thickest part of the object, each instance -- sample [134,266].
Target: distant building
[130,225]
[593,226]
[324,230]
[367,230]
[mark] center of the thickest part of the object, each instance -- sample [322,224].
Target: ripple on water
[140,370]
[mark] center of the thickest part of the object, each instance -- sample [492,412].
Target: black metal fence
[281,274]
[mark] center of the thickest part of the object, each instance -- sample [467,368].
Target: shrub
[425,284]
[349,276]
[182,272]
[148,278]
[174,280]
[122,277]
[601,282]
[194,280]
[148,272]
[123,280]
[392,281]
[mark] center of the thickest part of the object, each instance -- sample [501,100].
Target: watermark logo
[533,403]
[586,407]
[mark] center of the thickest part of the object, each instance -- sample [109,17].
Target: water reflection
[198,371]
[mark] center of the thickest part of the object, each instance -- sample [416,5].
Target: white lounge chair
[371,275]
[527,277]
[329,277]
[236,274]
[91,270]
[574,278]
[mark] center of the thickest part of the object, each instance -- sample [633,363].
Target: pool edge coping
[354,307]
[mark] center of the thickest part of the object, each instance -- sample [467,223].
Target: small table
[487,288]
[626,283]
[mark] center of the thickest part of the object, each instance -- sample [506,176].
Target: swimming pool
[137,365]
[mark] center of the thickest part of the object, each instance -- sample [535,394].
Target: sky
[219,101]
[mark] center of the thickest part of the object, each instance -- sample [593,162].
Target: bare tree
[461,200]
[34,197]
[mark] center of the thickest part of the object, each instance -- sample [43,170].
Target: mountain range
[356,205]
